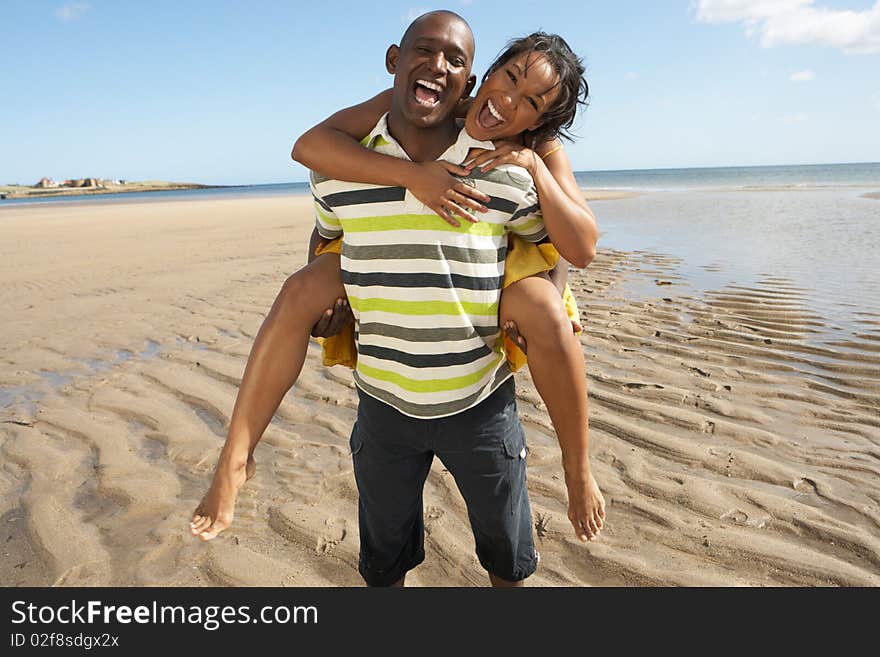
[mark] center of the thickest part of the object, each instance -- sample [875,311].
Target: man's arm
[332,148]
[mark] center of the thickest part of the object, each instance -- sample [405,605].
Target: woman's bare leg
[556,363]
[273,366]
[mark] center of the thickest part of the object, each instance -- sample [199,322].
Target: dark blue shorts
[484,450]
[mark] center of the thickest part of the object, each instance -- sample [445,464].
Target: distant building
[46,183]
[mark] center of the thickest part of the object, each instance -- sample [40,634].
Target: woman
[529,96]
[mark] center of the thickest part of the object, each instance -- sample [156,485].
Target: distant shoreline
[20,191]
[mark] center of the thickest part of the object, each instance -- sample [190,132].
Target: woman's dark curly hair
[573,87]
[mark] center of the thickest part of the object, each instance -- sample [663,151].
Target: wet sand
[734,444]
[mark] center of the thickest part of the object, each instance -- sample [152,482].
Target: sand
[733,446]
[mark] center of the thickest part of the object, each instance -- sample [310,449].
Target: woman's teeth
[494,111]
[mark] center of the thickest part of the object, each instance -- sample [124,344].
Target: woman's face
[513,98]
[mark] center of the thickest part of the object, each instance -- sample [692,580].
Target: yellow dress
[523,259]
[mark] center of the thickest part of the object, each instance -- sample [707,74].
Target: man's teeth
[494,112]
[430,85]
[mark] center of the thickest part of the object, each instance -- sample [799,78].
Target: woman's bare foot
[586,505]
[215,512]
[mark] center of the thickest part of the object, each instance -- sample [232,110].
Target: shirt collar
[456,153]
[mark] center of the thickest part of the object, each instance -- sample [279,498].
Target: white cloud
[71,11]
[631,76]
[802,76]
[797,22]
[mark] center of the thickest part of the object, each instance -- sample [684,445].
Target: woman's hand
[506,152]
[436,187]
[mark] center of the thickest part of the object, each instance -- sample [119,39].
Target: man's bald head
[443,14]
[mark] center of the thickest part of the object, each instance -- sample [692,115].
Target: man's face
[432,70]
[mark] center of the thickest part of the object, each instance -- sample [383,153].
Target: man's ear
[391,57]
[469,87]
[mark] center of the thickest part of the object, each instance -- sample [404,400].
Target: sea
[814,229]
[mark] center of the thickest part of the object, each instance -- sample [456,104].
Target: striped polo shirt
[425,294]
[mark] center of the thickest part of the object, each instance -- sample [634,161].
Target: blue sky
[216,92]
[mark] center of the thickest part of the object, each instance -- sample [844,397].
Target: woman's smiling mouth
[489,117]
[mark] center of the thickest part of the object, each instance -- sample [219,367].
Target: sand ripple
[735,437]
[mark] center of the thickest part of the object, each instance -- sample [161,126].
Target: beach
[734,425]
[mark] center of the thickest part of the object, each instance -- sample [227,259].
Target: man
[431,374]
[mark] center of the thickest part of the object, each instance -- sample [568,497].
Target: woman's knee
[309,290]
[536,307]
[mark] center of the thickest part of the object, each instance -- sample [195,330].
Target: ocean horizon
[733,178]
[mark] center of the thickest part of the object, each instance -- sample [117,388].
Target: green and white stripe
[425,294]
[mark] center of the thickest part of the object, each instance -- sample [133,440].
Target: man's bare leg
[273,366]
[556,363]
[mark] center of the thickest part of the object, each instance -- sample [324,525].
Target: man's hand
[333,320]
[512,332]
[586,505]
[447,196]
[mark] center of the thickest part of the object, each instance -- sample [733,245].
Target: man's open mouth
[427,93]
[489,117]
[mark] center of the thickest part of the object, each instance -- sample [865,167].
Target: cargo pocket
[515,450]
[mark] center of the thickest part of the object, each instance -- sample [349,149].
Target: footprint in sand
[805,485]
[334,534]
[736,516]
[432,517]
[741,518]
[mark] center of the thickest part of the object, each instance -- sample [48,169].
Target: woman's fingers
[473,154]
[481,161]
[496,161]
[480,156]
